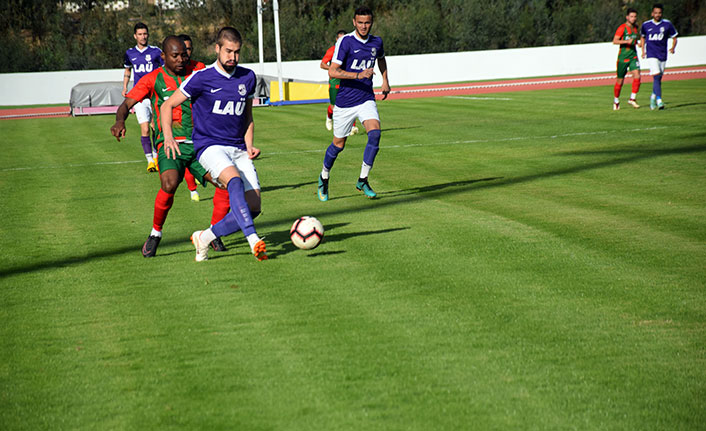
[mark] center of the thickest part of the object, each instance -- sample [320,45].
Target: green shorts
[187,159]
[627,64]
[333,84]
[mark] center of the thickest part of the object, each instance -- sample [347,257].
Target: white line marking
[286,153]
[477,98]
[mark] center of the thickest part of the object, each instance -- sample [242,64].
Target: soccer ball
[306,233]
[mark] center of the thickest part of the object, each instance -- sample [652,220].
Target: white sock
[653,96]
[633,96]
[156,232]
[194,192]
[149,158]
[615,100]
[252,240]
[207,236]
[325,173]
[365,169]
[659,100]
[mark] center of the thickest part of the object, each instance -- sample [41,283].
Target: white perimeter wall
[55,87]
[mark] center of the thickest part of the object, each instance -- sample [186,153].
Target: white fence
[55,87]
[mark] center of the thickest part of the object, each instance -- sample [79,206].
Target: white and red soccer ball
[306,233]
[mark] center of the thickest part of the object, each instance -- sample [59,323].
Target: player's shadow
[433,187]
[286,186]
[282,245]
[684,105]
[399,128]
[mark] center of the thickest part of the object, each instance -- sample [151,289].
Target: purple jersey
[356,55]
[218,102]
[143,62]
[656,35]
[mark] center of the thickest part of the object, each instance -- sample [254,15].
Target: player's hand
[118,130]
[171,148]
[253,153]
[671,50]
[385,90]
[644,55]
[124,92]
[367,73]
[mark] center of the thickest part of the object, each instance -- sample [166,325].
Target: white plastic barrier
[55,87]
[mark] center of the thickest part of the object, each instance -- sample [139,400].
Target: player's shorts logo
[241,89]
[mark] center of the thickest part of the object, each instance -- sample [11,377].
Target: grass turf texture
[533,263]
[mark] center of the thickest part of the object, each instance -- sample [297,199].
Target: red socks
[616,89]
[221,205]
[162,205]
[190,180]
[635,85]
[329,112]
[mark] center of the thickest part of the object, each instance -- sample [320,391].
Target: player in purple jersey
[143,58]
[654,34]
[221,103]
[353,63]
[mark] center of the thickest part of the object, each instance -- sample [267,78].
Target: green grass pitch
[534,261]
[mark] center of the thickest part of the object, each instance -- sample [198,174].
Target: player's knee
[170,183]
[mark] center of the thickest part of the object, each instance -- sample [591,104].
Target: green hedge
[94,38]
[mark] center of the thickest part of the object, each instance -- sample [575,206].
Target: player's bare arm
[382,65]
[324,66]
[249,137]
[165,111]
[126,79]
[118,129]
[674,45]
[643,47]
[336,72]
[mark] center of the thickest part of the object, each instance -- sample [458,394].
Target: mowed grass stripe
[514,281]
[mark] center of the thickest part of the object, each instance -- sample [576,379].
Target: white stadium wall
[55,87]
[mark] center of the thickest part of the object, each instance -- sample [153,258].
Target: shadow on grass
[287,186]
[281,239]
[399,197]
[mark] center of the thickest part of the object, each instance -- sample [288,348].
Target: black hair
[341,32]
[184,37]
[229,34]
[363,11]
[630,10]
[659,6]
[140,25]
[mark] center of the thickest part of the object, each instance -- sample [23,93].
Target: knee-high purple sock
[331,154]
[146,144]
[657,86]
[239,216]
[372,147]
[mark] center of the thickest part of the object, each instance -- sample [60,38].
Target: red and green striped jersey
[626,32]
[159,85]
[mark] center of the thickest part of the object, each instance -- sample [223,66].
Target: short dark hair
[659,6]
[341,32]
[229,34]
[630,10]
[363,11]
[140,25]
[184,37]
[170,39]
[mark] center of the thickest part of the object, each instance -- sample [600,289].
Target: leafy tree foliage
[42,35]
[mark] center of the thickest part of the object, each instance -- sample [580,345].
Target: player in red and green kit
[333,85]
[158,86]
[628,38]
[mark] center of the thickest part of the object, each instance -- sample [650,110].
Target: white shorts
[656,66]
[343,118]
[143,111]
[218,157]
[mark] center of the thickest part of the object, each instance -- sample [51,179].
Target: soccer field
[534,261]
